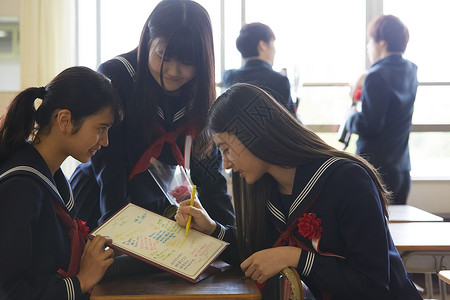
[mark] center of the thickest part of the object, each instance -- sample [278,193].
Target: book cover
[161,242]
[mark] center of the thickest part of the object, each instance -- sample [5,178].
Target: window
[9,54]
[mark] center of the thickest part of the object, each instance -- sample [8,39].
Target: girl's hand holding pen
[200,221]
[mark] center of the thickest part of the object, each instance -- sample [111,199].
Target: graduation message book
[161,242]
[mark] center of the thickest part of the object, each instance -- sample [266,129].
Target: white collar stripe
[43,177]
[276,212]
[127,65]
[311,184]
[71,202]
[179,114]
[160,112]
[182,111]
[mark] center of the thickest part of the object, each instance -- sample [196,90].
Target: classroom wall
[431,195]
[5,98]
[10,66]
[9,8]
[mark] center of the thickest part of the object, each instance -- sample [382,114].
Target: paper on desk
[161,241]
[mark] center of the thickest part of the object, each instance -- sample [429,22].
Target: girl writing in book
[167,86]
[43,251]
[300,203]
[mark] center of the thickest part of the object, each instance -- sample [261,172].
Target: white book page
[161,240]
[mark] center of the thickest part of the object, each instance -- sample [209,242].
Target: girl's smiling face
[175,73]
[237,157]
[92,135]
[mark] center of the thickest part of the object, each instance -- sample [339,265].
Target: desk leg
[443,290]
[429,285]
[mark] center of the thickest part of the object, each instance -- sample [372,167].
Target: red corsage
[357,94]
[181,193]
[82,228]
[309,226]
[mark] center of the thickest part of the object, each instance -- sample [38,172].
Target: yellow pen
[191,203]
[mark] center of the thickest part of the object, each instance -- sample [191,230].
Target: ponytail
[81,90]
[18,123]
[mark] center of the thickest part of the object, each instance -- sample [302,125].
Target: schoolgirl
[43,251]
[167,86]
[300,203]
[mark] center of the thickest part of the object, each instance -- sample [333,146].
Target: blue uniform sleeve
[20,209]
[228,234]
[374,106]
[362,232]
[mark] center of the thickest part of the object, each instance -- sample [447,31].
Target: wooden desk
[444,279]
[444,275]
[421,236]
[408,213]
[424,247]
[231,284]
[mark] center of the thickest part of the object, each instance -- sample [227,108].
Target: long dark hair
[184,27]
[79,89]
[273,135]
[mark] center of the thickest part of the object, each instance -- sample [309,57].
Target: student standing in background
[256,43]
[43,251]
[387,105]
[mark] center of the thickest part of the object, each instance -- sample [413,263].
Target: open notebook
[161,242]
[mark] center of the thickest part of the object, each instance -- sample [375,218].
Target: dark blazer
[261,74]
[384,123]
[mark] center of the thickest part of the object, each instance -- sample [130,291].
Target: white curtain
[47,45]
[47,39]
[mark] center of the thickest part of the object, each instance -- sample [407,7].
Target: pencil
[191,203]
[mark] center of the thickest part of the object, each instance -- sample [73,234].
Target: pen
[191,203]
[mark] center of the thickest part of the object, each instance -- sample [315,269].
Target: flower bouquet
[173,181]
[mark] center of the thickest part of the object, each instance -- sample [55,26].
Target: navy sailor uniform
[355,257]
[34,242]
[106,176]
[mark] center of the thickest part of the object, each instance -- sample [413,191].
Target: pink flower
[309,226]
[181,193]
[82,228]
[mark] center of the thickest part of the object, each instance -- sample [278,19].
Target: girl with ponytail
[43,249]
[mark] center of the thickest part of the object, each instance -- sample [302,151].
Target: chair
[291,287]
